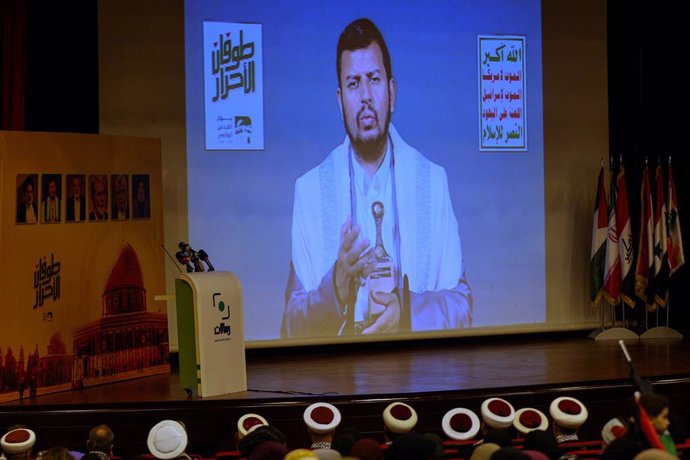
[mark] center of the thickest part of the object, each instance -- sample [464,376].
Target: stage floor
[361,380]
[412,368]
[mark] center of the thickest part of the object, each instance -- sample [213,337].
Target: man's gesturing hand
[355,259]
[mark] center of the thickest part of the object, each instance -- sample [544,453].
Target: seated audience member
[398,418]
[616,428]
[345,438]
[460,424]
[17,443]
[542,441]
[298,454]
[498,436]
[262,433]
[168,440]
[568,415]
[343,443]
[268,450]
[89,456]
[100,442]
[657,407]
[509,453]
[322,419]
[366,449]
[535,454]
[621,449]
[497,413]
[484,451]
[654,454]
[530,419]
[410,446]
[437,443]
[55,453]
[327,454]
[248,423]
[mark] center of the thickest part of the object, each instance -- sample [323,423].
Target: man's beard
[370,150]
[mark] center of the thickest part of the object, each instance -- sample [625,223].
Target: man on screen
[373,216]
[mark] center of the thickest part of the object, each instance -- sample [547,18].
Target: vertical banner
[502,93]
[233,86]
[81,275]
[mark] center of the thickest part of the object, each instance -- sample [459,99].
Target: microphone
[184,256]
[204,256]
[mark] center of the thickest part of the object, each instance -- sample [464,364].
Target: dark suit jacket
[21,212]
[70,208]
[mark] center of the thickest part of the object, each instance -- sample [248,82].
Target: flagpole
[614,332]
[662,332]
[668,301]
[620,230]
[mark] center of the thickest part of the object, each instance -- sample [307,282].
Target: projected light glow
[273,213]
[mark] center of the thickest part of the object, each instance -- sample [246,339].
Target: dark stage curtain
[13,62]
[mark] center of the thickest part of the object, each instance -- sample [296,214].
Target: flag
[661,268]
[612,269]
[599,232]
[674,244]
[625,240]
[647,428]
[644,271]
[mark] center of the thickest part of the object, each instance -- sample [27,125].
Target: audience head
[568,414]
[654,454]
[18,442]
[101,439]
[322,419]
[366,449]
[263,433]
[509,453]
[249,422]
[343,443]
[399,418]
[497,413]
[410,446]
[656,406]
[621,449]
[535,454]
[55,453]
[484,451]
[327,454]
[268,450]
[615,428]
[437,443]
[498,436]
[542,441]
[298,454]
[460,424]
[530,419]
[167,440]
[93,455]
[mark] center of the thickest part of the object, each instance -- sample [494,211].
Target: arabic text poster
[502,93]
[233,86]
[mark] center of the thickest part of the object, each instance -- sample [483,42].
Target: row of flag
[660,246]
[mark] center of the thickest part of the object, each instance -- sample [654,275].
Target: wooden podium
[210,333]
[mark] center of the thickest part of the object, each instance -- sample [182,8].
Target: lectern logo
[224,310]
